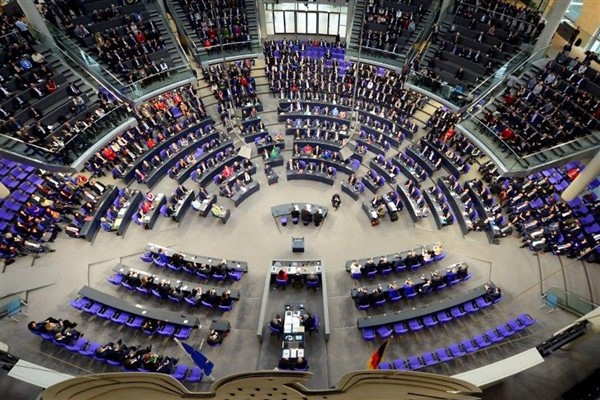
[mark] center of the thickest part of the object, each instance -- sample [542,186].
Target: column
[589,173]
[444,6]
[260,13]
[553,18]
[35,19]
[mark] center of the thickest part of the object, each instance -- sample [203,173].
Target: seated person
[312,278]
[133,359]
[284,364]
[51,325]
[226,299]
[277,323]
[436,280]
[362,298]
[150,325]
[462,272]
[112,351]
[376,296]
[492,294]
[67,336]
[318,217]
[301,363]
[213,298]
[308,321]
[355,267]
[215,338]
[282,275]
[297,279]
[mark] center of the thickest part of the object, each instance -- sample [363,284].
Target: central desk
[138,309]
[283,210]
[405,316]
[293,343]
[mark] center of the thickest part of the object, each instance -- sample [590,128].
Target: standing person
[23,29]
[336,201]
[574,35]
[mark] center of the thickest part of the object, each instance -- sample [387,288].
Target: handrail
[62,37]
[468,5]
[482,124]
[16,139]
[508,73]
[492,75]
[179,23]
[186,66]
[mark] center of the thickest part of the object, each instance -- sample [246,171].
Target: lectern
[298,245]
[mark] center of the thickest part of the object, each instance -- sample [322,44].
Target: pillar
[553,18]
[589,173]
[35,18]
[262,22]
[444,7]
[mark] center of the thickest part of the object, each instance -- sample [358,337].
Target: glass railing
[228,50]
[568,301]
[486,137]
[503,152]
[74,148]
[86,60]
[152,83]
[129,91]
[452,94]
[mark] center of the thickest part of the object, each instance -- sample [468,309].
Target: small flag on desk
[376,358]
[198,358]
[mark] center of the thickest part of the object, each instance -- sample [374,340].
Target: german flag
[376,358]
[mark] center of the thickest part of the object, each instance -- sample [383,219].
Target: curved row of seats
[460,349]
[427,321]
[88,348]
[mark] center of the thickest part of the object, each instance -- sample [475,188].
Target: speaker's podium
[298,245]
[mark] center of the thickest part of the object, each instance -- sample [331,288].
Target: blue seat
[482,302]
[400,268]
[371,274]
[120,317]
[505,330]
[191,301]
[79,302]
[429,320]
[430,359]
[385,365]
[356,275]
[281,283]
[482,341]
[469,345]
[235,275]
[456,312]
[386,271]
[135,323]
[385,331]
[195,375]
[515,325]
[494,336]
[107,313]
[225,308]
[394,295]
[78,345]
[206,304]
[368,334]
[415,325]
[116,279]
[146,257]
[443,354]
[400,328]
[92,307]
[90,349]
[400,365]
[180,372]
[456,350]
[363,307]
[443,316]
[469,307]
[525,319]
[414,363]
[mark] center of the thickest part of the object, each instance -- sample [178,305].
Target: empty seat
[526,319]
[469,345]
[456,350]
[482,341]
[400,364]
[369,334]
[443,354]
[430,358]
[414,363]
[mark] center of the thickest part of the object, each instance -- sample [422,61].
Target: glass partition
[568,301]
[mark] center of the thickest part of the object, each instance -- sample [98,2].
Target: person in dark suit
[318,217]
[308,321]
